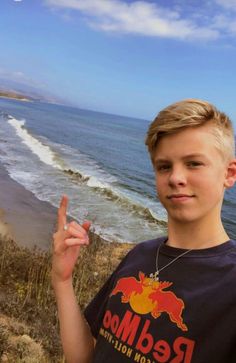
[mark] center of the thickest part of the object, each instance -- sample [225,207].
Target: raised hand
[67,243]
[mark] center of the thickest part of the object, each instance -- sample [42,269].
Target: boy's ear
[230,178]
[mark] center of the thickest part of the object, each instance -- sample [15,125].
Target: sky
[125,57]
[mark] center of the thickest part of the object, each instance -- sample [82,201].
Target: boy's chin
[183,218]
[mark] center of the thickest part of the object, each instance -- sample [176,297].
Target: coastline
[31,222]
[24,218]
[17,97]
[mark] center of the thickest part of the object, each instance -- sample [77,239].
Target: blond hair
[192,113]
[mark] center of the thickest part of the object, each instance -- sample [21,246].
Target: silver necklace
[155,275]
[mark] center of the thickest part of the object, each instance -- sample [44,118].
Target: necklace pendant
[154,276]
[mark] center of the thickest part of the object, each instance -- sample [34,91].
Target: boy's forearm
[77,340]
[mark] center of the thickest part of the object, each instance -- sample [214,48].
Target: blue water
[98,160]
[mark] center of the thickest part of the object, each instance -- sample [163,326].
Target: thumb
[86,225]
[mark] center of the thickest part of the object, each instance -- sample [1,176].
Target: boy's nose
[177,177]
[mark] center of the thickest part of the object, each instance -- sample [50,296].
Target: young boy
[172,299]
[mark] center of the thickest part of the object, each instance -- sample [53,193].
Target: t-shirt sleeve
[94,312]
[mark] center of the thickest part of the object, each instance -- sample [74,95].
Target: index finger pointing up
[62,210]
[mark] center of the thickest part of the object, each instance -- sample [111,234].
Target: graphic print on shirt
[149,296]
[130,322]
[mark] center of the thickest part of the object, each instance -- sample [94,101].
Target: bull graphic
[148,296]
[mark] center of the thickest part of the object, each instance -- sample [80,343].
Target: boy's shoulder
[150,247]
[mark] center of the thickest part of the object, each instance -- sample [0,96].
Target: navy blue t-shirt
[189,316]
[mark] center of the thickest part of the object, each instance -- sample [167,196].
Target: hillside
[29,328]
[14,95]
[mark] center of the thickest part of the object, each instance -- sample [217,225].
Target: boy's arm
[76,337]
[77,340]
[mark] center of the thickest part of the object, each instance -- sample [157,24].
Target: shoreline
[15,97]
[24,218]
[28,221]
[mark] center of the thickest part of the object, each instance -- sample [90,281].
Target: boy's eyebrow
[188,156]
[195,155]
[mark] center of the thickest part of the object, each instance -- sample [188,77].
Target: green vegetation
[29,329]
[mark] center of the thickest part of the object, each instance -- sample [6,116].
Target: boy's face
[190,175]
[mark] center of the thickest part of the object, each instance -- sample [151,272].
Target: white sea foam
[44,153]
[93,182]
[77,162]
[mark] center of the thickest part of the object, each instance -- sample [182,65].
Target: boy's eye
[194,163]
[163,167]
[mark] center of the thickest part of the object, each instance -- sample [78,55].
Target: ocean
[97,159]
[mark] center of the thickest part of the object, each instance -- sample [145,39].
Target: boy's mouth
[180,197]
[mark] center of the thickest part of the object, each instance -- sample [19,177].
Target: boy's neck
[197,236]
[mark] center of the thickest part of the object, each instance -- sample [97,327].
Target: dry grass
[29,330]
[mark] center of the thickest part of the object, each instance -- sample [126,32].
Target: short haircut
[192,113]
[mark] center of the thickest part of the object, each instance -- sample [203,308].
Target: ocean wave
[44,153]
[49,157]
[100,181]
[116,196]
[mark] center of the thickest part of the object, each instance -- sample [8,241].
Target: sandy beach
[24,218]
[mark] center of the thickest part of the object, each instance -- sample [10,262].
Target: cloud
[18,76]
[225,24]
[224,20]
[138,17]
[227,4]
